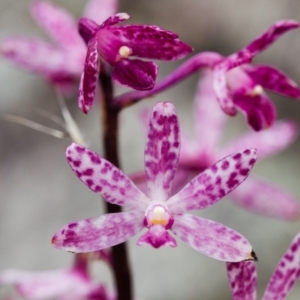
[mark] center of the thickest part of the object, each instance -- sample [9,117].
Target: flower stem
[120,263]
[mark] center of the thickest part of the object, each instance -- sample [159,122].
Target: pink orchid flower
[157,211]
[60,62]
[116,45]
[243,276]
[201,151]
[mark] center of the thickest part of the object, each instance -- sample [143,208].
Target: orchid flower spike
[157,211]
[243,87]
[116,45]
[61,62]
[243,276]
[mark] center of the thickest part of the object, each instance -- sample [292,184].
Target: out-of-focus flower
[62,61]
[243,277]
[65,284]
[243,87]
[116,44]
[201,151]
[157,211]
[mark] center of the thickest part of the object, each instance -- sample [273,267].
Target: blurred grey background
[39,193]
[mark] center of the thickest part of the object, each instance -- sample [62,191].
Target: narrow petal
[87,28]
[135,73]
[274,32]
[273,79]
[267,142]
[212,239]
[39,57]
[285,274]
[209,119]
[91,235]
[268,199]
[162,151]
[87,87]
[115,19]
[100,10]
[157,236]
[59,24]
[257,108]
[243,280]
[104,178]
[214,183]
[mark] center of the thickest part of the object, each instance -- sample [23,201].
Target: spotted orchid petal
[214,183]
[162,151]
[135,73]
[268,199]
[48,284]
[88,81]
[273,79]
[40,57]
[212,239]
[257,108]
[267,142]
[271,35]
[94,234]
[243,280]
[115,19]
[285,274]
[104,178]
[100,10]
[59,24]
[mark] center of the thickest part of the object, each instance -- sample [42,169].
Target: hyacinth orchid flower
[157,211]
[243,87]
[116,45]
[62,61]
[243,276]
[65,284]
[200,152]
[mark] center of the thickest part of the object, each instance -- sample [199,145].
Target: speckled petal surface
[267,142]
[104,178]
[135,73]
[242,279]
[214,183]
[87,86]
[258,109]
[115,19]
[273,79]
[285,274]
[162,151]
[268,199]
[94,234]
[212,239]
[100,10]
[59,24]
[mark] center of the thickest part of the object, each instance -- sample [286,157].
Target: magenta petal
[115,19]
[285,274]
[91,235]
[104,178]
[162,151]
[268,199]
[273,33]
[243,280]
[157,236]
[135,73]
[212,239]
[87,28]
[150,42]
[273,79]
[258,109]
[87,87]
[267,142]
[214,183]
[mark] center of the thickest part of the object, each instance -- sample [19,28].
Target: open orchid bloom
[157,211]
[200,152]
[243,87]
[243,276]
[116,45]
[62,61]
